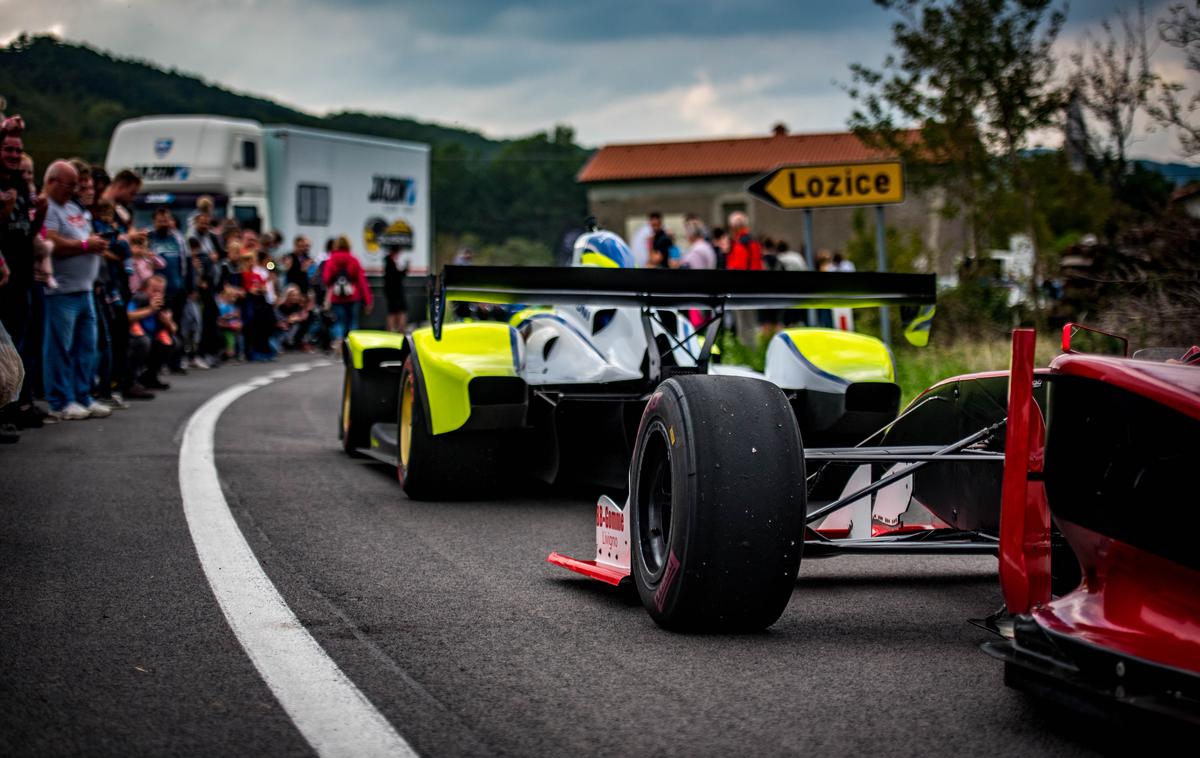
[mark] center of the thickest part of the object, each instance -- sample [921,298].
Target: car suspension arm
[884,481]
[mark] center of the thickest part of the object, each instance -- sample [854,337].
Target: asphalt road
[445,615]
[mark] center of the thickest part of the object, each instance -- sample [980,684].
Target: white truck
[290,179]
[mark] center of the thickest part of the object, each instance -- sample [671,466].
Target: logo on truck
[163,146]
[378,232]
[393,190]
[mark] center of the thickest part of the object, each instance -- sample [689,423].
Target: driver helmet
[604,249]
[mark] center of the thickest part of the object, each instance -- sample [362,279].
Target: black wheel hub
[654,499]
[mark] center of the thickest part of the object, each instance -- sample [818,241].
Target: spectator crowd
[734,247]
[102,312]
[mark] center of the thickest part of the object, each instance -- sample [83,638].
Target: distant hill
[1178,174]
[72,96]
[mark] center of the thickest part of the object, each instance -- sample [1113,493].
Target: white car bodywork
[589,345]
[586,345]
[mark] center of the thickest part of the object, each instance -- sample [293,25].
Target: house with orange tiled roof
[709,178]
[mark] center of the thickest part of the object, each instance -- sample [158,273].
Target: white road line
[330,712]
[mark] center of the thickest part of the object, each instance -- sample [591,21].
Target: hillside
[72,96]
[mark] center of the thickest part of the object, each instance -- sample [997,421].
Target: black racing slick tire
[354,417]
[717,494]
[456,465]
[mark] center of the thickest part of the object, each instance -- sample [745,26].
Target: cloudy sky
[615,70]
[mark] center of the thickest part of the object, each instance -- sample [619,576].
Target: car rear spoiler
[679,288]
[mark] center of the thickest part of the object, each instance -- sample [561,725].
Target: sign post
[885,315]
[810,255]
[837,185]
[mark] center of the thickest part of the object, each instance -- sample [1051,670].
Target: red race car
[1105,465]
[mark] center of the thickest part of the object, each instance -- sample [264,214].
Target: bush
[514,251]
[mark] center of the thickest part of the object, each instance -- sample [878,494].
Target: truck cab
[180,158]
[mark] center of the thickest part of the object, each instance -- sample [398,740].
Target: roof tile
[723,157]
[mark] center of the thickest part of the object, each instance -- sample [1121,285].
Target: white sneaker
[116,402]
[71,412]
[96,409]
[199,362]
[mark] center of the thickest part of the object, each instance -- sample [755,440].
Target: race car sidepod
[436,409]
[368,386]
[841,384]
[470,376]
[460,400]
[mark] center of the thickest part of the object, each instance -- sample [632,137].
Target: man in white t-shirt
[70,343]
[639,245]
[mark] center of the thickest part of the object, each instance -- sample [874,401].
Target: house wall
[613,203]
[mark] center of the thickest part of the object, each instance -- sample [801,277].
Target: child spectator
[258,317]
[230,321]
[190,318]
[151,334]
[294,318]
[229,271]
[144,264]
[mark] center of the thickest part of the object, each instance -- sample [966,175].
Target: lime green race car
[461,409]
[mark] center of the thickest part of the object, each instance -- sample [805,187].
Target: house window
[312,205]
[728,207]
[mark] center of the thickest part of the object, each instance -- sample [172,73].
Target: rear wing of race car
[681,288]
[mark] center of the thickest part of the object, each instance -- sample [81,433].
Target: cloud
[617,71]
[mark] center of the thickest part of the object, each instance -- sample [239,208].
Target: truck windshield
[246,215]
[182,206]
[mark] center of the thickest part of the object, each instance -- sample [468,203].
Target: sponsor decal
[162,146]
[162,173]
[669,576]
[610,519]
[380,233]
[393,190]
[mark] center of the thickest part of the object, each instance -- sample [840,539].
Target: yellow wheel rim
[346,405]
[406,419]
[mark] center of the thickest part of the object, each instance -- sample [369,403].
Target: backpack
[343,286]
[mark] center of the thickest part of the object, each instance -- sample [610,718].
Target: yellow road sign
[832,185]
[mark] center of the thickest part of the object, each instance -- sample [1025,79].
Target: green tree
[1066,206]
[905,251]
[975,75]
[532,188]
